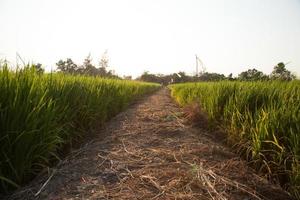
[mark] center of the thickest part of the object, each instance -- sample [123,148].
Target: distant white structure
[199,63]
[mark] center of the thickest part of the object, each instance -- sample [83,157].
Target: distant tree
[127,77]
[252,75]
[103,65]
[88,68]
[104,60]
[230,77]
[179,77]
[183,77]
[281,73]
[67,66]
[38,68]
[206,76]
[147,77]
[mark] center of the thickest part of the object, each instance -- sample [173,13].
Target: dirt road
[149,152]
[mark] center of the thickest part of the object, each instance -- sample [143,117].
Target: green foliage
[206,76]
[252,75]
[261,118]
[180,77]
[281,73]
[39,114]
[67,66]
[87,68]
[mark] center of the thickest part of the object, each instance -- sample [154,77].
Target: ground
[150,151]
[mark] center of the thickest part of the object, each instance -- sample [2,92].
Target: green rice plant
[40,114]
[261,118]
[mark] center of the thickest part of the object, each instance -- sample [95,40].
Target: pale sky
[160,36]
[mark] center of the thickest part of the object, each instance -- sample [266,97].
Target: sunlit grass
[39,114]
[261,118]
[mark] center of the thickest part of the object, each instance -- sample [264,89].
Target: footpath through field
[149,152]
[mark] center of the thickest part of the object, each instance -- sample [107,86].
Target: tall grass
[39,114]
[261,118]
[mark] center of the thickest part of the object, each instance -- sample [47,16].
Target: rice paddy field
[41,114]
[261,120]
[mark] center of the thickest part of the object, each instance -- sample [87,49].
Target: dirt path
[151,153]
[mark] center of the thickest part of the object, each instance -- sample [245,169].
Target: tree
[104,60]
[67,66]
[149,77]
[252,75]
[88,68]
[127,77]
[38,68]
[281,73]
[179,77]
[230,77]
[206,76]
[103,67]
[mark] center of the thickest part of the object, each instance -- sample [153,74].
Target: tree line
[68,66]
[279,73]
